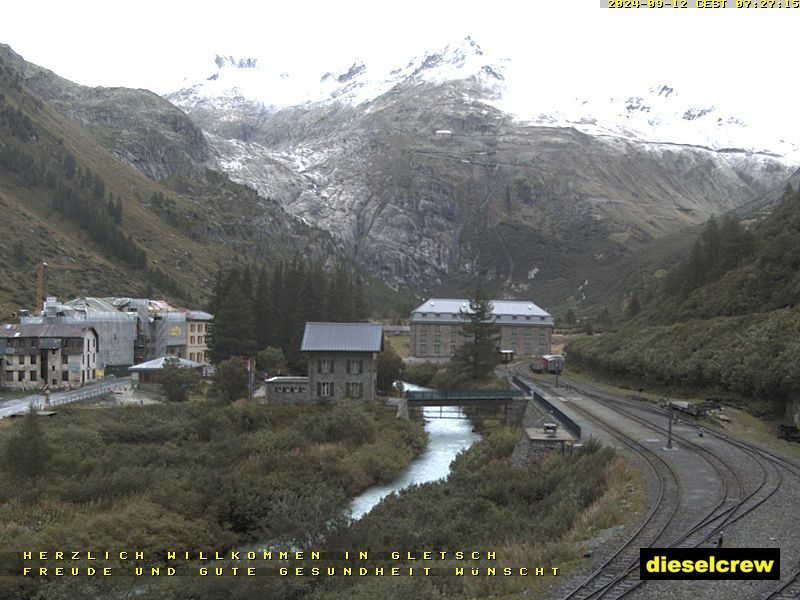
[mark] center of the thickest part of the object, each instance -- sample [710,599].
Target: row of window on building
[354,366]
[498,319]
[290,389]
[33,376]
[21,344]
[527,348]
[31,359]
[353,389]
[437,336]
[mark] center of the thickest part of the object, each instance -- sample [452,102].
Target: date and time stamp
[705,4]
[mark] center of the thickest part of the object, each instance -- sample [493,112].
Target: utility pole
[669,429]
[250,362]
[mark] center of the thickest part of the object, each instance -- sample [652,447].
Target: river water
[446,438]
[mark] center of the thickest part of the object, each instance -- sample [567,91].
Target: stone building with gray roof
[341,359]
[525,328]
[341,364]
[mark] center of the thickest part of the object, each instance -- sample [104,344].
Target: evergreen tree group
[720,248]
[76,193]
[254,310]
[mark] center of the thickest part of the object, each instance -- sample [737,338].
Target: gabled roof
[342,337]
[158,363]
[44,330]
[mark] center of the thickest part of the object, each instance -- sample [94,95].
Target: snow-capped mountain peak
[236,63]
[360,81]
[664,113]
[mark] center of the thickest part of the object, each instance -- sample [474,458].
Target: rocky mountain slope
[69,195]
[426,178]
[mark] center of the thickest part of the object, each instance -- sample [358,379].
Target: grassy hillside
[725,321]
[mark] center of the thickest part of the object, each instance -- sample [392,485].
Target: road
[19,406]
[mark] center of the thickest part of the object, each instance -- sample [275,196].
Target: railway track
[741,491]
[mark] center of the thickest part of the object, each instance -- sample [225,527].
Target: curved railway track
[741,491]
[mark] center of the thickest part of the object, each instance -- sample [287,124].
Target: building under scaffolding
[116,331]
[130,330]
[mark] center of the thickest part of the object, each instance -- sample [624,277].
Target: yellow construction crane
[40,278]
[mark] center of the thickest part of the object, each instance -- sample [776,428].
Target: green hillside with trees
[723,322]
[66,198]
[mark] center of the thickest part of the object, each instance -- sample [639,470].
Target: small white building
[147,374]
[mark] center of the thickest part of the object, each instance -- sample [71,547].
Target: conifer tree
[247,283]
[360,302]
[232,332]
[118,211]
[263,312]
[389,366]
[27,452]
[278,307]
[477,356]
[216,293]
[634,306]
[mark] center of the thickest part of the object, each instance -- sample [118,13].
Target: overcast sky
[748,56]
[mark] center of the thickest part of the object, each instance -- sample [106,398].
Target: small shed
[292,390]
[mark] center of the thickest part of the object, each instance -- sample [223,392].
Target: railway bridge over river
[483,403]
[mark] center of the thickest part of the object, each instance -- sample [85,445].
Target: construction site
[68,344]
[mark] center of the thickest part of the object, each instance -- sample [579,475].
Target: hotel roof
[499,307]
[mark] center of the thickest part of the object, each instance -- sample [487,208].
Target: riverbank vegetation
[194,475]
[531,517]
